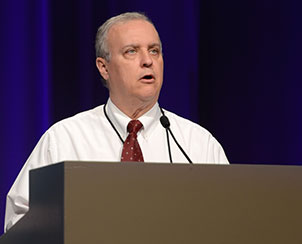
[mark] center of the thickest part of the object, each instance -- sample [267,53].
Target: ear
[101,64]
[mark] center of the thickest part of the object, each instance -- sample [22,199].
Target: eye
[154,51]
[130,51]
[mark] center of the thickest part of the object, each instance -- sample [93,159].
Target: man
[129,58]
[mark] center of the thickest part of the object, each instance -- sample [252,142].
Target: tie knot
[134,126]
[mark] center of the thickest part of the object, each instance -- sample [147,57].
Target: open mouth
[147,77]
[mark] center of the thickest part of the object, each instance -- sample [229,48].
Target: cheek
[124,70]
[123,78]
[160,69]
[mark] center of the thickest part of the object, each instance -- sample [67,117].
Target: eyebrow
[155,45]
[137,45]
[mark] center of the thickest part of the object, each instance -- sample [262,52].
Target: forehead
[139,32]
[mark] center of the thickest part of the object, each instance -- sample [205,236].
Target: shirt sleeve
[17,202]
[216,153]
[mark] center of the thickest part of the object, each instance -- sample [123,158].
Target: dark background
[232,66]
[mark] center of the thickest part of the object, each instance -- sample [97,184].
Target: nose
[146,59]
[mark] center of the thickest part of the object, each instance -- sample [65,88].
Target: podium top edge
[84,164]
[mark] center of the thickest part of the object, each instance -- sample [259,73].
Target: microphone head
[165,121]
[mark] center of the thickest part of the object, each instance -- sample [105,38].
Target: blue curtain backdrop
[232,66]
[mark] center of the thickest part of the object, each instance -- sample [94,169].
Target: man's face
[135,70]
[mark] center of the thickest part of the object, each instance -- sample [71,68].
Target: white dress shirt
[88,136]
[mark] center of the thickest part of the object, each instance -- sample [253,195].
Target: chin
[148,93]
[148,96]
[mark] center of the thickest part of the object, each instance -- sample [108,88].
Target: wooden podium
[144,203]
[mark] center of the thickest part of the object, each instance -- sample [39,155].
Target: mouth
[148,78]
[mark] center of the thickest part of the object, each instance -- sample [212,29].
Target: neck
[134,110]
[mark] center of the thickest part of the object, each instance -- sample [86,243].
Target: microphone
[165,121]
[166,124]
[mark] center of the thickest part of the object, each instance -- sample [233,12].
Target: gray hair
[101,45]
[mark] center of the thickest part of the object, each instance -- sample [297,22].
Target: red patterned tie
[131,149]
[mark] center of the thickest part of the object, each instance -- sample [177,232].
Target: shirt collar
[121,120]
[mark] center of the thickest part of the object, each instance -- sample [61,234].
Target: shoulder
[82,121]
[200,143]
[186,125]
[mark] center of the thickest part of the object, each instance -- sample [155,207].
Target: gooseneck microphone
[166,124]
